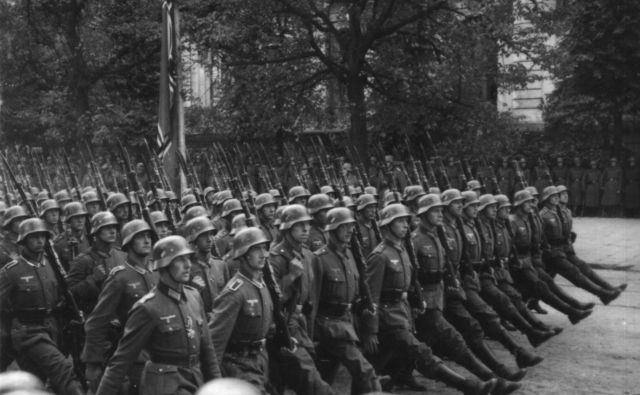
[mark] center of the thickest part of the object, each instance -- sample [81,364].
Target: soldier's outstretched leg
[300,373]
[569,271]
[591,274]
[518,303]
[363,375]
[253,368]
[557,290]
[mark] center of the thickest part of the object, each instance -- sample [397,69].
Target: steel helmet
[278,215]
[293,214]
[47,205]
[319,202]
[197,226]
[533,191]
[391,197]
[239,222]
[393,212]
[327,189]
[264,199]
[365,200]
[187,202]
[74,209]
[115,200]
[470,197]
[102,219]
[42,196]
[348,202]
[158,217]
[87,189]
[194,211]
[230,206]
[371,191]
[521,197]
[90,197]
[171,196]
[561,188]
[434,190]
[487,200]
[224,196]
[503,201]
[208,191]
[548,192]
[247,238]
[473,185]
[297,192]
[30,226]
[338,216]
[451,195]
[168,249]
[427,202]
[275,193]
[132,228]
[413,192]
[14,213]
[62,197]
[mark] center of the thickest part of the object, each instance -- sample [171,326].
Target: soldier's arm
[376,263]
[6,288]
[137,331]
[286,278]
[208,357]
[80,278]
[223,319]
[97,325]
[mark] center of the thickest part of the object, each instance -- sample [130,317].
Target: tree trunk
[358,136]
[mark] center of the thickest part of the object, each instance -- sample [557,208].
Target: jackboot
[467,386]
[579,315]
[534,304]
[609,296]
[488,359]
[525,358]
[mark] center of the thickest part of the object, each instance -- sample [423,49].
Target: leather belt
[333,309]
[430,277]
[392,296]
[246,346]
[183,361]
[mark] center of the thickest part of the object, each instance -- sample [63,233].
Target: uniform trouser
[561,265]
[251,367]
[298,371]
[588,271]
[489,320]
[336,352]
[516,299]
[37,353]
[468,327]
[401,343]
[443,338]
[7,353]
[502,304]
[536,283]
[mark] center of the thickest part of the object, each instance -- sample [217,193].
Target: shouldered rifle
[282,337]
[70,314]
[101,188]
[461,173]
[414,168]
[190,181]
[446,184]
[520,174]
[72,174]
[494,180]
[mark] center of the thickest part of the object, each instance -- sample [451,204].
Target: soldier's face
[35,243]
[122,212]
[503,213]
[180,269]
[434,216]
[321,217]
[344,232]
[300,231]
[141,244]
[300,200]
[399,227]
[554,199]
[204,242]
[491,211]
[52,216]
[564,197]
[108,234]
[455,208]
[527,206]
[256,257]
[163,230]
[471,211]
[76,223]
[269,211]
[15,225]
[92,208]
[369,212]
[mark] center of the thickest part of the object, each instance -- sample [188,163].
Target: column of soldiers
[281,289]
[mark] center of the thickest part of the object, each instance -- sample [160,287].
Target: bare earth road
[600,355]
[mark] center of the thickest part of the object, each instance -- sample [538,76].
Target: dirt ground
[600,355]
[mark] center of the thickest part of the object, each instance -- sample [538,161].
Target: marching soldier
[124,286]
[366,206]
[9,248]
[30,295]
[292,267]
[580,275]
[170,324]
[318,206]
[266,206]
[243,314]
[298,195]
[74,240]
[535,282]
[336,277]
[89,270]
[120,206]
[388,334]
[161,223]
[208,274]
[91,202]
[431,326]
[223,240]
[50,214]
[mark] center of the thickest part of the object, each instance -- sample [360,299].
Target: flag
[170,137]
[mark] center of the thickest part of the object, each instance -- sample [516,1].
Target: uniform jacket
[369,240]
[211,272]
[9,249]
[432,257]
[68,244]
[317,238]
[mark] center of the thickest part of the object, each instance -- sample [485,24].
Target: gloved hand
[370,344]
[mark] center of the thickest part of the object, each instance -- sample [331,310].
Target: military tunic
[68,246]
[9,249]
[223,241]
[369,239]
[317,238]
[172,326]
[208,276]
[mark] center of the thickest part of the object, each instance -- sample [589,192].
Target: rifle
[282,335]
[414,168]
[185,169]
[494,180]
[519,174]
[101,188]
[446,184]
[72,174]
[73,330]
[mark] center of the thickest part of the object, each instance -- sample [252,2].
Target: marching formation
[145,291]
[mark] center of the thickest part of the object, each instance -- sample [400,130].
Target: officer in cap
[291,262]
[336,276]
[9,248]
[208,274]
[171,325]
[89,270]
[243,313]
[532,282]
[387,334]
[30,293]
[432,327]
[318,206]
[124,286]
[74,240]
[366,207]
